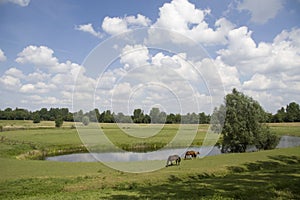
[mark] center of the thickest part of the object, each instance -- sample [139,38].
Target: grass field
[273,174]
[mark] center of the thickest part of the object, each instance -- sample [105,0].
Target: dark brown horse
[172,158]
[191,154]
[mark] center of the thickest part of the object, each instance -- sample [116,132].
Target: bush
[85,120]
[59,122]
[36,118]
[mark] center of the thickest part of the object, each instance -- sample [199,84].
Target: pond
[126,156]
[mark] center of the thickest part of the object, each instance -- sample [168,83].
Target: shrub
[85,120]
[58,122]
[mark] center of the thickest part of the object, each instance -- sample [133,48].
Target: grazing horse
[191,154]
[172,158]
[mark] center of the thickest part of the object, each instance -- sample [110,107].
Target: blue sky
[254,45]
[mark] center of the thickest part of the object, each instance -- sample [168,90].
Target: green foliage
[138,116]
[85,120]
[59,122]
[293,112]
[244,124]
[36,118]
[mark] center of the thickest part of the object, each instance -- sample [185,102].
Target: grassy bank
[261,175]
[270,174]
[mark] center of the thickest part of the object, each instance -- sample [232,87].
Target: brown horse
[191,154]
[172,158]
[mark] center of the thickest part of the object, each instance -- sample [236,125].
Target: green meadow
[272,174]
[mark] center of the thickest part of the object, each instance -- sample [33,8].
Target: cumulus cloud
[261,11]
[183,17]
[117,25]
[22,3]
[146,79]
[50,80]
[15,72]
[280,55]
[134,56]
[2,56]
[262,82]
[88,28]
[39,56]
[9,82]
[11,79]
[270,69]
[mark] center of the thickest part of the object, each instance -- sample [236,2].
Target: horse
[172,158]
[191,154]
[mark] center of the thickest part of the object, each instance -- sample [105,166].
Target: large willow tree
[244,125]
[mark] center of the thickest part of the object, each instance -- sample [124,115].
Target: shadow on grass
[277,178]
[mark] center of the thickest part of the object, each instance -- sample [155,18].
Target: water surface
[126,156]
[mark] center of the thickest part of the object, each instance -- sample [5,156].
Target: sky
[181,56]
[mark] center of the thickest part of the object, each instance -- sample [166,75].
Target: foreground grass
[261,175]
[273,174]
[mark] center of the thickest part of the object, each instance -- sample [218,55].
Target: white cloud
[37,76]
[10,82]
[39,87]
[261,11]
[114,25]
[2,56]
[134,56]
[149,79]
[15,73]
[43,100]
[139,20]
[183,17]
[49,81]
[39,56]
[117,25]
[88,28]
[282,55]
[271,70]
[22,3]
[261,82]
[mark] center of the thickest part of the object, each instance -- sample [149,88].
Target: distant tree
[44,114]
[280,116]
[97,113]
[21,114]
[194,119]
[244,124]
[162,117]
[121,118]
[154,115]
[203,118]
[59,122]
[292,112]
[170,119]
[108,117]
[8,114]
[36,118]
[217,119]
[138,116]
[78,116]
[85,120]
[147,119]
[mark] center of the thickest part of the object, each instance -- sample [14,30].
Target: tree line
[291,113]
[138,116]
